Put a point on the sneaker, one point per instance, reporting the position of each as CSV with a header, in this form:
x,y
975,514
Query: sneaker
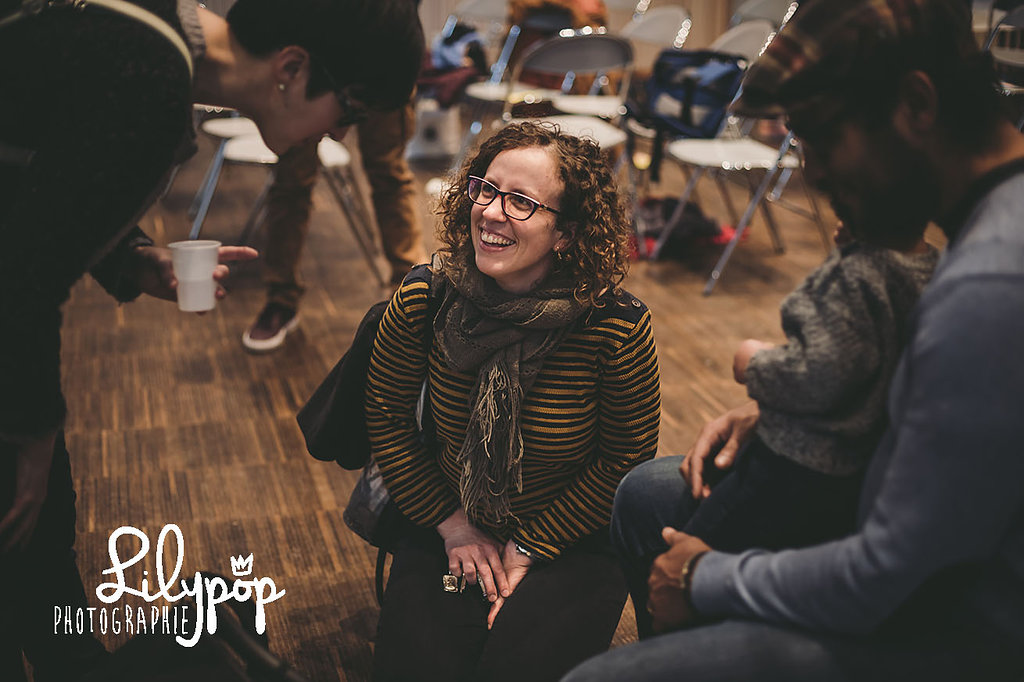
x,y
267,333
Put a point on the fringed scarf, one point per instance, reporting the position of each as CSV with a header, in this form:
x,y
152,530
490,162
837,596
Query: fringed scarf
x,y
503,338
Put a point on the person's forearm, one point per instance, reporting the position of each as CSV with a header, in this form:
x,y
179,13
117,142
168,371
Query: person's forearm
x,y
941,491
398,365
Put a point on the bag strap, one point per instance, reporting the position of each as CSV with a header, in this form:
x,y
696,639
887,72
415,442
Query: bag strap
x,y
33,7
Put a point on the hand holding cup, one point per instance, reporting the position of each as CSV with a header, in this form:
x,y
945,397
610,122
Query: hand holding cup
x,y
159,276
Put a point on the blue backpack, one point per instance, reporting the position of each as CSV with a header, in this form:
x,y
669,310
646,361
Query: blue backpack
x,y
687,95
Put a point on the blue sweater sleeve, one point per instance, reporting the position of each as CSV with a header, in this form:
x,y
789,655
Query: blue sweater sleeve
x,y
944,488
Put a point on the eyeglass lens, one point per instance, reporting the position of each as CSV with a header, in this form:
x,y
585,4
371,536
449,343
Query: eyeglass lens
x,y
514,205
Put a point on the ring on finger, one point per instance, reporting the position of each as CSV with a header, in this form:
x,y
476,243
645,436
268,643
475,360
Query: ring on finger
x,y
450,583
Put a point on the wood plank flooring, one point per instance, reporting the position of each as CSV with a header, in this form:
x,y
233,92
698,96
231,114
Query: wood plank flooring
x,y
171,422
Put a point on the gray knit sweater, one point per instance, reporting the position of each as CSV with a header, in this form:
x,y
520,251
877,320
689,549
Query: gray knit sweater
x,y
822,395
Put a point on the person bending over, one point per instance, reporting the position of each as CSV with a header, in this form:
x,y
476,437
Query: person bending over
x,y
98,112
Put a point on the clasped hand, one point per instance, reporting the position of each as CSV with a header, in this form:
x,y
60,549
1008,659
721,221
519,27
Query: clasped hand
x,y
670,609
483,560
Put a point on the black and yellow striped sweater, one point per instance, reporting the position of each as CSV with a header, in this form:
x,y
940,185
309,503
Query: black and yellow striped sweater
x,y
590,417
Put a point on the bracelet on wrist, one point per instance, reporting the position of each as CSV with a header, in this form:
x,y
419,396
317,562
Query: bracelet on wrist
x,y
525,552
686,575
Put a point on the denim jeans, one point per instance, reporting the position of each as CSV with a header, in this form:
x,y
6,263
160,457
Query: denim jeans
x,y
654,495
764,501
745,651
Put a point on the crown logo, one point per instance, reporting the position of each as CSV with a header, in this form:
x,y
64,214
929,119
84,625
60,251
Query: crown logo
x,y
241,566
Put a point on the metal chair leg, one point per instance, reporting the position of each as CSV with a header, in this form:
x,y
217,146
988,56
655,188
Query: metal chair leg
x,y
206,191
773,228
351,211
257,213
677,214
367,219
209,181
741,227
472,133
730,205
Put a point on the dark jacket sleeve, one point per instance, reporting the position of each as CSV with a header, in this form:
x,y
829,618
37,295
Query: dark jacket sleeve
x,y
116,271
103,130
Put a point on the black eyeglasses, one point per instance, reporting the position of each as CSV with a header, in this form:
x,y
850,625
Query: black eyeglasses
x,y
352,113
513,204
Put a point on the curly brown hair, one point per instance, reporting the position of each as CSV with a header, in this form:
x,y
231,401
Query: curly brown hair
x,y
591,210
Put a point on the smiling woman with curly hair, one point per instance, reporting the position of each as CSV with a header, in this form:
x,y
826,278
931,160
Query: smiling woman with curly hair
x,y
592,216
542,384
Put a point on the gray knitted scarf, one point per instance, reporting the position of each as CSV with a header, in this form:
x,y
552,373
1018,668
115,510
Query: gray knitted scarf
x,y
503,338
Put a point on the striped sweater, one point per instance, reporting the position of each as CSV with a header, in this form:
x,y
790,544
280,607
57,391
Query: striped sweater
x,y
590,417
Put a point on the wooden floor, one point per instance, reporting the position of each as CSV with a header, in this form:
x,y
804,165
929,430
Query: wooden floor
x,y
171,422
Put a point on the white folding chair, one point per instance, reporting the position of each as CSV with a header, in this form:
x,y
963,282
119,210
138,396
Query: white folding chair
x,y
491,92
745,156
778,12
336,164
747,39
735,153
580,54
663,27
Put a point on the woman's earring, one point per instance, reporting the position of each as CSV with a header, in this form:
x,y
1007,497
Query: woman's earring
x,y
280,86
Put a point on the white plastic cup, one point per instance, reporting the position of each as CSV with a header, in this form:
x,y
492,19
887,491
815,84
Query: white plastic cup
x,y
194,263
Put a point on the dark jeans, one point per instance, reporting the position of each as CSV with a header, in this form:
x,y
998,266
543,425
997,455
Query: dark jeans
x,y
560,614
41,577
764,501
746,651
654,495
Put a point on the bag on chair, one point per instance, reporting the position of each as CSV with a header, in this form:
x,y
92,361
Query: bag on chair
x,y
687,95
689,91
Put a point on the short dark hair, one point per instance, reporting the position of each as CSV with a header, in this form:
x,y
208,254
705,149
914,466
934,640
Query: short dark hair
x,y
591,209
372,49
